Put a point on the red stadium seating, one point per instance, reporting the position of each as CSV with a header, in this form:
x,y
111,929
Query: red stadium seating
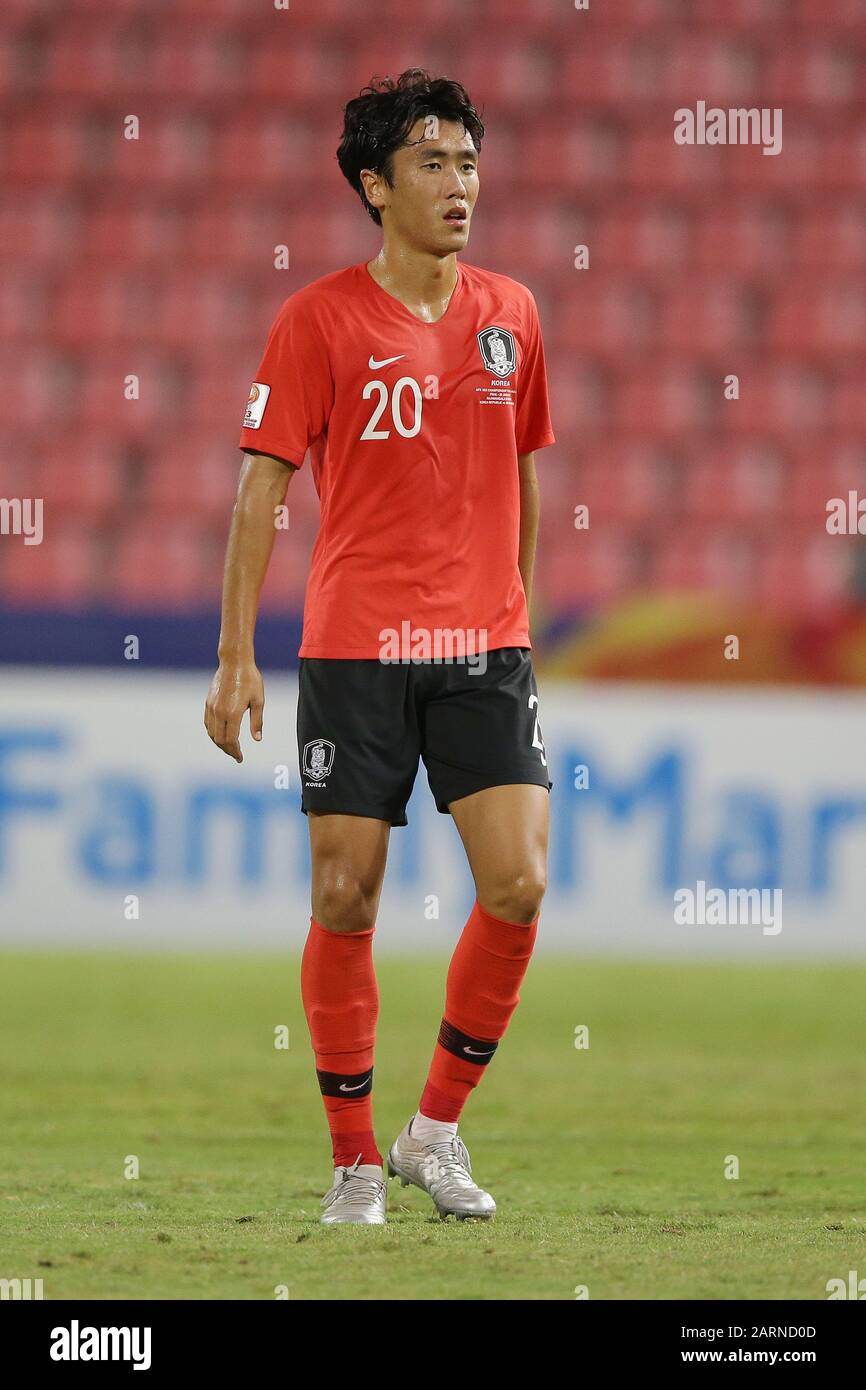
x,y
62,571
160,564
82,475
154,258
806,572
191,477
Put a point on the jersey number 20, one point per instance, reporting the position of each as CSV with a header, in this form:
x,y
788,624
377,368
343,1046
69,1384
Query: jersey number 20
x,y
370,431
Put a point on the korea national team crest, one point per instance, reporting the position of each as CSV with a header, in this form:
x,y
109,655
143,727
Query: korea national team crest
x,y
318,758
497,350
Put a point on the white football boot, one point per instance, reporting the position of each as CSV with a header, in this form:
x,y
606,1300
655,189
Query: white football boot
x,y
440,1167
358,1196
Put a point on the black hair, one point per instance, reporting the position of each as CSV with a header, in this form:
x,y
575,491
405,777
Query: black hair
x,y
378,121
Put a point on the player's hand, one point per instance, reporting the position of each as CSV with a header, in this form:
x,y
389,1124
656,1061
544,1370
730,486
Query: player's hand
x,y
236,688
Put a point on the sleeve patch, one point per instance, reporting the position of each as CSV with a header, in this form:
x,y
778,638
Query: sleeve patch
x,y
256,405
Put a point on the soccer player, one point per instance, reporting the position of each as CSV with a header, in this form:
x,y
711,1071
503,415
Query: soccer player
x,y
417,382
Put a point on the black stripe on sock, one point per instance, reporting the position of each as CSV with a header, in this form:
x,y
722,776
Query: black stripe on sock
x,y
475,1050
333,1083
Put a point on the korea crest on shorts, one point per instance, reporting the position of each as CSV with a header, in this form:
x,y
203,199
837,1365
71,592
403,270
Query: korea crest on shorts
x,y
318,758
497,350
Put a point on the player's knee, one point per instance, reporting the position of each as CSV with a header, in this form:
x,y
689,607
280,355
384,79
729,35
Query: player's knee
x,y
517,897
342,902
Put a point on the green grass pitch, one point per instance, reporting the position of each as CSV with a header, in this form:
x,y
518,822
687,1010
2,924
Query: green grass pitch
x,y
607,1163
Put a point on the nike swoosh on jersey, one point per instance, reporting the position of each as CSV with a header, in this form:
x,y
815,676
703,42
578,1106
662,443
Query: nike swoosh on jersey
x,y
373,364
344,1087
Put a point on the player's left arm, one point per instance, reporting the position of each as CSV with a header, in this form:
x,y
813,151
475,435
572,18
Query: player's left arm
x,y
530,507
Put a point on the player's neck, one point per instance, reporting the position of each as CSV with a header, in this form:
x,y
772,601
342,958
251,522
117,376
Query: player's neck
x,y
422,281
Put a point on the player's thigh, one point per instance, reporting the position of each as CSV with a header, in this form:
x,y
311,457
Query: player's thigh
x,y
358,741
480,728
505,832
348,855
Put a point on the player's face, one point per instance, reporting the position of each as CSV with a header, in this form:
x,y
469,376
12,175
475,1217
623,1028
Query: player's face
x,y
435,186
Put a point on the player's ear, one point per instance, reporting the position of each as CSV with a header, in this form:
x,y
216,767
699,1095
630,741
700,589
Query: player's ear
x,y
371,183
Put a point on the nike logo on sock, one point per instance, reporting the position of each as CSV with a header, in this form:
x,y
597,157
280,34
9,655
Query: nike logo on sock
x,y
344,1087
460,1044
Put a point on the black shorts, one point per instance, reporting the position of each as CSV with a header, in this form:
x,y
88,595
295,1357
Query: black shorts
x,y
362,726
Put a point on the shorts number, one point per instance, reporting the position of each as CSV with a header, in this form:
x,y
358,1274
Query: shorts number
x,y
537,741
370,431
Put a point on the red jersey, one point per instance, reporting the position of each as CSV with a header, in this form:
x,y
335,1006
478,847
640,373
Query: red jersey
x,y
414,430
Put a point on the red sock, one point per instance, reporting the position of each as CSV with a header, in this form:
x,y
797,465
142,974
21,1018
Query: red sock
x,y
481,994
341,1001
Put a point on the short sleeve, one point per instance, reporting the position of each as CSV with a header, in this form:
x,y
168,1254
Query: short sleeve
x,y
293,393
532,426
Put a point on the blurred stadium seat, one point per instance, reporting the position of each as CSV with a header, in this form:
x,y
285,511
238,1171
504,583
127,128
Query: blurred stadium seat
x,y
154,259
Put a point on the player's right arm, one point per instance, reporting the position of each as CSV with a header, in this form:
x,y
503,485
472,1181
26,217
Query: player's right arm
x,y
238,685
